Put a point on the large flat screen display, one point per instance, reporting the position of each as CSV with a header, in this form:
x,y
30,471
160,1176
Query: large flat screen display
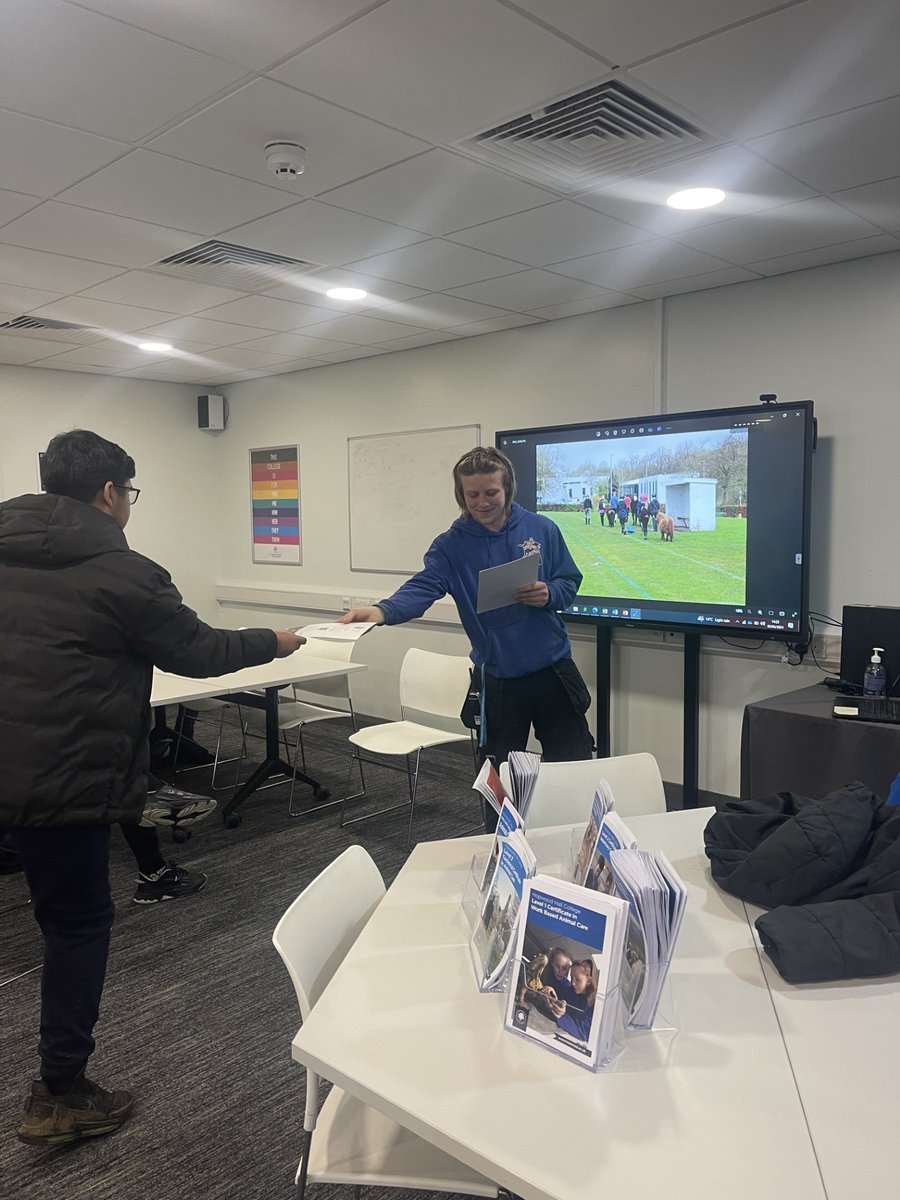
x,y
689,520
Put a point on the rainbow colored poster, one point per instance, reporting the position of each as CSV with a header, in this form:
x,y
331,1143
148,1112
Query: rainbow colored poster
x,y
275,497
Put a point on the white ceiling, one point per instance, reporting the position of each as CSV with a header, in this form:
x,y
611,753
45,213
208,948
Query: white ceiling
x,y
134,129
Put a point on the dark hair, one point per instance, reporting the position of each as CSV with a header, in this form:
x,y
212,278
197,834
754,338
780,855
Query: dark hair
x,y
484,460
79,463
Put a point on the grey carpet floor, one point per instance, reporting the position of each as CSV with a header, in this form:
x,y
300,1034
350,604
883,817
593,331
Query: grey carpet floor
x,y
198,1012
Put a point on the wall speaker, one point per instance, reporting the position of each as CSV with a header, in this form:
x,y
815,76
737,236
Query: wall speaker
x,y
211,412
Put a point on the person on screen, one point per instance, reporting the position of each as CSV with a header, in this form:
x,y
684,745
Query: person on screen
x,y
644,515
522,650
622,513
612,507
654,512
84,620
587,506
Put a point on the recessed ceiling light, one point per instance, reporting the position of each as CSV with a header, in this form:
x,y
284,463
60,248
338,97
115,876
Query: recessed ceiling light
x,y
158,347
696,198
346,293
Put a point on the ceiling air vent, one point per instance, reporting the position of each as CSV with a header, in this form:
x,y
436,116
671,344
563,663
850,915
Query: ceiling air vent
x,y
586,138
54,331
225,265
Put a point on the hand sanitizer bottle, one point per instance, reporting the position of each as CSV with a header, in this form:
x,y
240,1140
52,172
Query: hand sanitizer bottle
x,y
875,678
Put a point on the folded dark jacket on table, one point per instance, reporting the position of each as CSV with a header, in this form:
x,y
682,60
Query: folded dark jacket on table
x,y
828,869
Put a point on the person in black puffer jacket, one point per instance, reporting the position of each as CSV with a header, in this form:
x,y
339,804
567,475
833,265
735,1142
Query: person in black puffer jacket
x,y
84,619
829,871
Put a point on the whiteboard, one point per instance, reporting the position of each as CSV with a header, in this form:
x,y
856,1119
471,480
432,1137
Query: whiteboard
x,y
401,494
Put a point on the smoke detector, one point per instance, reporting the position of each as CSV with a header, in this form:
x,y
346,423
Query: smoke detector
x,y
287,160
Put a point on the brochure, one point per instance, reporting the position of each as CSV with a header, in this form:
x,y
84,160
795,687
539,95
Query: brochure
x,y
492,935
488,782
568,956
523,769
508,820
656,897
603,803
593,870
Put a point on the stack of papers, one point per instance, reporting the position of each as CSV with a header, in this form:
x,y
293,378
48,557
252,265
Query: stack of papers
x,y
523,772
656,897
568,956
335,631
605,832
509,867
489,784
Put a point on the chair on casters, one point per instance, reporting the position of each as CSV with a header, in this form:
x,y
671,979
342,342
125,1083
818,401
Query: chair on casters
x,y
564,791
353,1144
306,703
432,686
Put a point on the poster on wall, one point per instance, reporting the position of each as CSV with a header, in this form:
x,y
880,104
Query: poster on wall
x,y
275,498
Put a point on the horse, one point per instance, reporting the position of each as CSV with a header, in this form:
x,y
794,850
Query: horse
x,y
666,525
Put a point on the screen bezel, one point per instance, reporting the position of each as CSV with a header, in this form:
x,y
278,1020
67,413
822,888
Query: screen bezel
x,y
751,633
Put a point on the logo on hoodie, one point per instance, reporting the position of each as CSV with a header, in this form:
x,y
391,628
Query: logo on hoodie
x,y
530,546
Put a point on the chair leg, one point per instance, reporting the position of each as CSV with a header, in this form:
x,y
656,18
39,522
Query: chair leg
x,y
413,782
304,1164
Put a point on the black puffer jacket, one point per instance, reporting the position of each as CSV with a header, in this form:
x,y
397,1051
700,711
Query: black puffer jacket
x,y
82,621
828,869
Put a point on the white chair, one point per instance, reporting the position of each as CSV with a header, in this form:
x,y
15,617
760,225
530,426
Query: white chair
x,y
209,711
564,791
354,1143
301,705
433,687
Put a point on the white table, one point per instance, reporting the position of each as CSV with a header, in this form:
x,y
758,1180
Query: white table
x,y
708,1113
240,685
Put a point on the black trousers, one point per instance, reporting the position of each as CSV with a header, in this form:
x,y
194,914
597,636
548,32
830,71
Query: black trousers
x,y
67,869
553,700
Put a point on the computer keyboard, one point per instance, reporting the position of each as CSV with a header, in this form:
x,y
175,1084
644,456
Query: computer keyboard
x,y
868,708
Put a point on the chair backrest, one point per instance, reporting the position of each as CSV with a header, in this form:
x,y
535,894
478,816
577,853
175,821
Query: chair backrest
x,y
325,920
433,688
564,792
337,687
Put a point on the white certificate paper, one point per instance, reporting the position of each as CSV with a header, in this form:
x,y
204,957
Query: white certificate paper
x,y
333,631
497,584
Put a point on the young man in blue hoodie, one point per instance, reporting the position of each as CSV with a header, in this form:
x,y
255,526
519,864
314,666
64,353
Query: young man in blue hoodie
x,y
522,650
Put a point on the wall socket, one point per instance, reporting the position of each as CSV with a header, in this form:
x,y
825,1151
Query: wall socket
x,y
345,604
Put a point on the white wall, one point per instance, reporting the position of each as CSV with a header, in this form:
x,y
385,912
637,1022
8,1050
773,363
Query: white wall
x,y
174,521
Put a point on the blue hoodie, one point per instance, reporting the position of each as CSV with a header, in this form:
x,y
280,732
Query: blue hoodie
x,y
508,642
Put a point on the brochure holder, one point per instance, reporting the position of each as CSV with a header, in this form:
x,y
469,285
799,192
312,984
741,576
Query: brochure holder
x,y
486,952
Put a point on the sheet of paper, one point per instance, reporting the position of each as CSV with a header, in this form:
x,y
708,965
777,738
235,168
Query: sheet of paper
x,y
334,631
497,584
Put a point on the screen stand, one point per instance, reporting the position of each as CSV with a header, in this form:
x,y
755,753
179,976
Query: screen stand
x,y
691,703
603,677
691,755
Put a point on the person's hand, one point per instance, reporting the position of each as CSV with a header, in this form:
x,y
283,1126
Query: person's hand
x,y
371,614
558,1008
287,642
535,595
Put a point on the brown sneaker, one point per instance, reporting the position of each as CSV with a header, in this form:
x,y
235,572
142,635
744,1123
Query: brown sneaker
x,y
86,1111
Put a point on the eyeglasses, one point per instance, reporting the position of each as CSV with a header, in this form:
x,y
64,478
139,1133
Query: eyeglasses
x,y
133,492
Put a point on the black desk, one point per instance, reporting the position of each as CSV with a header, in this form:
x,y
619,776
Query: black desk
x,y
792,743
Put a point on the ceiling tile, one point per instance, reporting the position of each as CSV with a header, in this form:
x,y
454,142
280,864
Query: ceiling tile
x,y
414,341
222,28
695,283
53,364
355,352
802,62
750,183
553,312
167,191
435,265
54,272
232,134
496,324
877,202
41,158
15,349
622,35
463,62
23,299
311,288
149,290
100,314
439,312
214,333
841,151
528,290
264,312
292,345
80,232
122,358
881,244
242,356
317,233
629,267
364,331
438,192
127,82
13,204
557,231
785,230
